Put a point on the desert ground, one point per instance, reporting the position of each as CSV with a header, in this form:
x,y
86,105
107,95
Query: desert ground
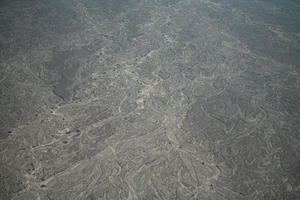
x,y
149,99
